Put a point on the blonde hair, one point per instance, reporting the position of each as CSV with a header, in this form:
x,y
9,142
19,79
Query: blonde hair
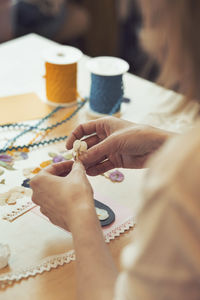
x,y
170,34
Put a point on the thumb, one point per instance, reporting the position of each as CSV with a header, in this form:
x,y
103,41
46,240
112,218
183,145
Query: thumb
x,y
78,167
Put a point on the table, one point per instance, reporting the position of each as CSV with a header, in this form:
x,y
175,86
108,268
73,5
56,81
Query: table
x,y
21,72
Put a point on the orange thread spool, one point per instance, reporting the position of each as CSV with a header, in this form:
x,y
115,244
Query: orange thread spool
x,y
61,75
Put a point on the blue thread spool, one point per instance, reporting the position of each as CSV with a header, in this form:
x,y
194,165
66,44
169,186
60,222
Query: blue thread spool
x,y
107,89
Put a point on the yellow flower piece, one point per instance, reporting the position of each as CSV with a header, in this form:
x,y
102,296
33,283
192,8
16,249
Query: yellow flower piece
x,y
46,163
36,170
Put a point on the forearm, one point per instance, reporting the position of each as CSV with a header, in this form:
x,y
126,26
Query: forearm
x,y
96,271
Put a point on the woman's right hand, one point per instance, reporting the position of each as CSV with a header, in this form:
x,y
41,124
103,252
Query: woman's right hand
x,y
116,143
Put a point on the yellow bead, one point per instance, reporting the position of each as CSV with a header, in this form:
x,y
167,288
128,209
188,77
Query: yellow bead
x,y
36,170
46,163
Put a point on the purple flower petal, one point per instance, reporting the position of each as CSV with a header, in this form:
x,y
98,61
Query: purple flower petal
x,y
6,158
116,176
24,155
58,158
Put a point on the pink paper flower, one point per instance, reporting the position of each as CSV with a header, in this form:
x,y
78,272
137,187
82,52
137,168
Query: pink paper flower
x,y
116,176
6,158
58,158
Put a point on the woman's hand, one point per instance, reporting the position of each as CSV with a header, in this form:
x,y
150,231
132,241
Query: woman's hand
x,y
116,143
65,196
63,193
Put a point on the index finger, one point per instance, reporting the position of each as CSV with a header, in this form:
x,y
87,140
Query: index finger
x,y
47,174
81,131
60,169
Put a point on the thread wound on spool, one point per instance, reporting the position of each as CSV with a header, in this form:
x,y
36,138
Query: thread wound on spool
x,y
106,93
107,89
61,82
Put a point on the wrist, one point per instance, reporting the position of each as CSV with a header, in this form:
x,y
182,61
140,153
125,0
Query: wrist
x,y
80,214
84,222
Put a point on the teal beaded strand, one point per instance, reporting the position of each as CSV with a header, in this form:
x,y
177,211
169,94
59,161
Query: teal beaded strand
x,y
46,142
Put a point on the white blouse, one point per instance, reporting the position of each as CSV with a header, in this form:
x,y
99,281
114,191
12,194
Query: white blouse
x,y
163,262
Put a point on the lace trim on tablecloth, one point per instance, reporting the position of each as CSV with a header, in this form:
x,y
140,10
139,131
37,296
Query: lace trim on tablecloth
x,y
46,264
55,261
10,213
116,231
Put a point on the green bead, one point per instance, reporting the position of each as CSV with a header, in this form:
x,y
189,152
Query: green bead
x,y
68,156
6,166
52,154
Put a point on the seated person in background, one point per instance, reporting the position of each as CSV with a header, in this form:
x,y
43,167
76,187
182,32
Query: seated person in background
x,y
163,261
5,20
141,64
60,20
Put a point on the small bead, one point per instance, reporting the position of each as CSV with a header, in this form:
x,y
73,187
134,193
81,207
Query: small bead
x,y
46,163
36,170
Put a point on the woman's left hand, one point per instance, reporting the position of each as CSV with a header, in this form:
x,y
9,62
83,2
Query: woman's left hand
x,y
65,196
63,193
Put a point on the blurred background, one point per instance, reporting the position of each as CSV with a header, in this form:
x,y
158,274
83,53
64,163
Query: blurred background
x,y
97,27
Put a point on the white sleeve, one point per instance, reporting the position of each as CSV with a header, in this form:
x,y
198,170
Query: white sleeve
x,y
164,261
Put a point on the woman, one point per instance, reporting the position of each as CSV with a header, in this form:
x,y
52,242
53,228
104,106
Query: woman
x,y
164,261
5,20
42,17
61,20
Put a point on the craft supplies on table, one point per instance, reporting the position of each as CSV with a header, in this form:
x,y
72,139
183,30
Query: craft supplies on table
x,y
40,132
39,246
107,88
61,75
